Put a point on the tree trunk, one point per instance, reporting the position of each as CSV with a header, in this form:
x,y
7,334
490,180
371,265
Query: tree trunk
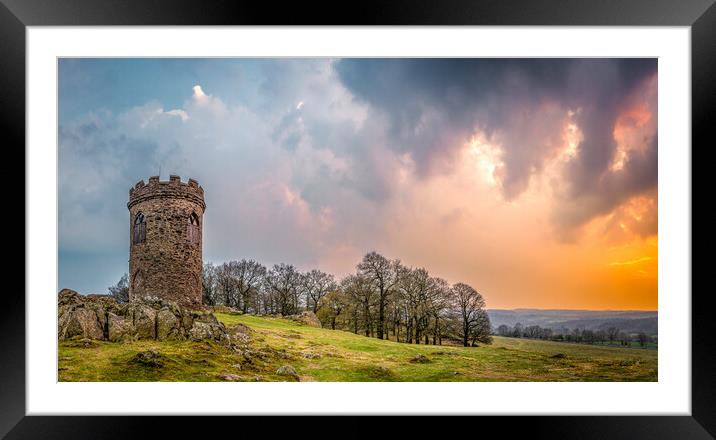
x,y
417,331
381,317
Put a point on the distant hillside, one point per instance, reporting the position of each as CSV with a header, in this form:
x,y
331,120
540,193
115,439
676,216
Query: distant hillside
x,y
628,321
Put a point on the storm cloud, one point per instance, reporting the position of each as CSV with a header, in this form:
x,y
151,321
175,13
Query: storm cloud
x,y
433,105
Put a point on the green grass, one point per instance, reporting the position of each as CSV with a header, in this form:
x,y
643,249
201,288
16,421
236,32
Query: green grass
x,y
326,355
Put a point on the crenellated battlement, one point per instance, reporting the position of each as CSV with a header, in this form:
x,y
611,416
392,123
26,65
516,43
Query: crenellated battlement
x,y
173,188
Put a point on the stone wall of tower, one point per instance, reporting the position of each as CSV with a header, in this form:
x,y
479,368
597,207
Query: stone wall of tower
x,y
167,263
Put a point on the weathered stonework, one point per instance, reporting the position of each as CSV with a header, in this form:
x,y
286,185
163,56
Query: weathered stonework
x,y
165,257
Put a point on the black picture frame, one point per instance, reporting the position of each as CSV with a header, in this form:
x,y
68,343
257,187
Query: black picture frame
x,y
700,15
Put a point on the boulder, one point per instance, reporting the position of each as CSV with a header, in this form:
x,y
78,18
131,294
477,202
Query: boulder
x,y
142,316
229,377
287,370
79,322
240,334
204,330
168,325
311,355
80,316
199,331
306,317
118,328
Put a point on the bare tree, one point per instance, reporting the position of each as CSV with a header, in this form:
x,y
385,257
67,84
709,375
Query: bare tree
x,y
361,292
436,308
283,281
480,332
331,307
469,307
384,274
409,295
316,285
209,284
504,330
517,330
612,334
226,284
120,291
249,275
532,331
643,339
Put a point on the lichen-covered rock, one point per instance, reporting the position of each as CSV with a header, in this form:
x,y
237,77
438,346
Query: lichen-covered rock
x,y
199,331
168,325
102,318
77,318
80,322
240,334
311,355
229,377
142,316
287,370
207,330
68,297
118,328
306,317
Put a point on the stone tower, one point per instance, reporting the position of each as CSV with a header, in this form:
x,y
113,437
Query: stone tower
x,y
165,238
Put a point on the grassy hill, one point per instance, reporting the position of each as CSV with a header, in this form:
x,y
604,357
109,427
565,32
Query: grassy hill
x,y
325,355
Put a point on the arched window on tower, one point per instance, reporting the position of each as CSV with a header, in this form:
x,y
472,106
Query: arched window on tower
x,y
139,231
193,229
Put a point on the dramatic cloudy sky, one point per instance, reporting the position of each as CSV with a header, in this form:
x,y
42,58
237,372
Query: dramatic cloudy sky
x,y
533,180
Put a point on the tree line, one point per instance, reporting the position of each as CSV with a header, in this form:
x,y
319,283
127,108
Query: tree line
x,y
383,299
611,335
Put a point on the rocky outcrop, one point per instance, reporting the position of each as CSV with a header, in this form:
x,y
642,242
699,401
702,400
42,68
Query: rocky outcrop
x,y
102,318
306,317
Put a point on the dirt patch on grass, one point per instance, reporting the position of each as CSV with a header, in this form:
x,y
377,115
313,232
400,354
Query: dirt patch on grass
x,y
558,356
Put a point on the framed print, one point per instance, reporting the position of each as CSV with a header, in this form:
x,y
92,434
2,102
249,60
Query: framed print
x,y
485,212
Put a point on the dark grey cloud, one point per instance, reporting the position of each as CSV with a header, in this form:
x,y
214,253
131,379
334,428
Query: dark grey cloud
x,y
434,105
